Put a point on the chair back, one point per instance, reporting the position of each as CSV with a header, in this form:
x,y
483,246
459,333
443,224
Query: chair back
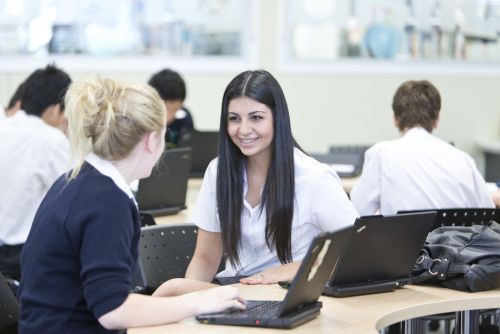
x,y
462,216
9,308
165,252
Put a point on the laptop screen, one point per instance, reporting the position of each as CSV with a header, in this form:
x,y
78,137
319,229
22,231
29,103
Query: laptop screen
x,y
382,248
166,187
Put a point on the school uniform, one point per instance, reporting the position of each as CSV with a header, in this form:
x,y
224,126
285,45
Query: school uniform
x,y
33,155
183,122
418,171
81,254
320,205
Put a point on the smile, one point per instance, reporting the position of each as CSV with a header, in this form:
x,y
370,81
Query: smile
x,y
247,141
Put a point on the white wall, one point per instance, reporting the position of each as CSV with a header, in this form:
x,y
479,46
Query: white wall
x,y
337,108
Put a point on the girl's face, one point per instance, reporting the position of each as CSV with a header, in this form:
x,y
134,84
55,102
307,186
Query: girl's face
x,y
250,126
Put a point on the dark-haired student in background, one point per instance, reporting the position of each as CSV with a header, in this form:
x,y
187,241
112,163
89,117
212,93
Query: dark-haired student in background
x,y
33,152
172,89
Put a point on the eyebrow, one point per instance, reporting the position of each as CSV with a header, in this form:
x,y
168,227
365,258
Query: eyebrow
x,y
250,113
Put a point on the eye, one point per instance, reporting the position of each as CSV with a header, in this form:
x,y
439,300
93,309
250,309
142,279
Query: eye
x,y
233,118
256,118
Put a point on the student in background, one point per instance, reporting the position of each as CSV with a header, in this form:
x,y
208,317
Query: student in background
x,y
262,200
81,255
172,89
33,153
419,170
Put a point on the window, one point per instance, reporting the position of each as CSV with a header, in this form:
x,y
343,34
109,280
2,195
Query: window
x,y
167,29
322,32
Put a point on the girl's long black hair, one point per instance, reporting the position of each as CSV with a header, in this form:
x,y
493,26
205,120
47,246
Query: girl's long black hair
x,y
279,189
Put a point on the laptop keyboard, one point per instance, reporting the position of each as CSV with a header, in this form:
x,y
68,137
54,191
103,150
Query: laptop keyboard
x,y
259,309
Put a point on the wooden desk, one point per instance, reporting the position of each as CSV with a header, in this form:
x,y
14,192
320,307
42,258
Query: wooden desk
x,y
361,314
194,185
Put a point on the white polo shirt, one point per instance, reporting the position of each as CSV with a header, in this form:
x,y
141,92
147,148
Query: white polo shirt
x,y
32,155
418,171
321,205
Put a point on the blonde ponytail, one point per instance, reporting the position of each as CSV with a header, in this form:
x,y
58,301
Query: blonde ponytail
x,y
109,118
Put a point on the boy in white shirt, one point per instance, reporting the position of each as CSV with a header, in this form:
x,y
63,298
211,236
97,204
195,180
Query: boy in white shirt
x,y
33,152
419,170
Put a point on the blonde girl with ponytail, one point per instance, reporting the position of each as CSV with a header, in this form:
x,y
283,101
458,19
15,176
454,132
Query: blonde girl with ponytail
x,y
82,251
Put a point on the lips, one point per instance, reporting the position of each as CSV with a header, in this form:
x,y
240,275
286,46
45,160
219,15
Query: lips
x,y
248,141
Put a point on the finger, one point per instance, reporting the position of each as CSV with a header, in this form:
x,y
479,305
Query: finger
x,y
255,279
236,304
254,282
251,281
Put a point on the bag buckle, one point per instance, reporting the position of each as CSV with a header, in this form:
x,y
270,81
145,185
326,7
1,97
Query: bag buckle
x,y
434,261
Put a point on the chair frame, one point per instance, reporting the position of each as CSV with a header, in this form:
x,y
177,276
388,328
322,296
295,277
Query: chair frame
x,y
9,308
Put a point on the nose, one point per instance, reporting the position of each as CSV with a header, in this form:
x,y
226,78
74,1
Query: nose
x,y
245,128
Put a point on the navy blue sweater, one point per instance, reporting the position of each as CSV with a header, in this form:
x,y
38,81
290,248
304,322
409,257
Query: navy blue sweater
x,y
80,256
178,126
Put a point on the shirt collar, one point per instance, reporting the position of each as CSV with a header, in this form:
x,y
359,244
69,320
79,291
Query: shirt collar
x,y
22,114
416,131
106,168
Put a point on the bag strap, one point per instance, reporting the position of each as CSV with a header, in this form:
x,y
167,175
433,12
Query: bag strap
x,y
440,268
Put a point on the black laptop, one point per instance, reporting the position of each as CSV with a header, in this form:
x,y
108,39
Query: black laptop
x,y
204,145
301,302
147,219
381,254
164,191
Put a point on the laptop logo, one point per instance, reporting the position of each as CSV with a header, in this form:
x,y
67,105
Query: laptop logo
x,y
361,229
319,260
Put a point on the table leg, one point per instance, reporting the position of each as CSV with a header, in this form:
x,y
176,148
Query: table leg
x,y
467,322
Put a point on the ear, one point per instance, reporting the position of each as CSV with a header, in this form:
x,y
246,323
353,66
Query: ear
x,y
148,142
11,111
395,120
436,123
52,115
151,141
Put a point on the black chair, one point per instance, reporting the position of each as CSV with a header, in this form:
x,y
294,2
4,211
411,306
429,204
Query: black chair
x,y
9,309
462,217
164,253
